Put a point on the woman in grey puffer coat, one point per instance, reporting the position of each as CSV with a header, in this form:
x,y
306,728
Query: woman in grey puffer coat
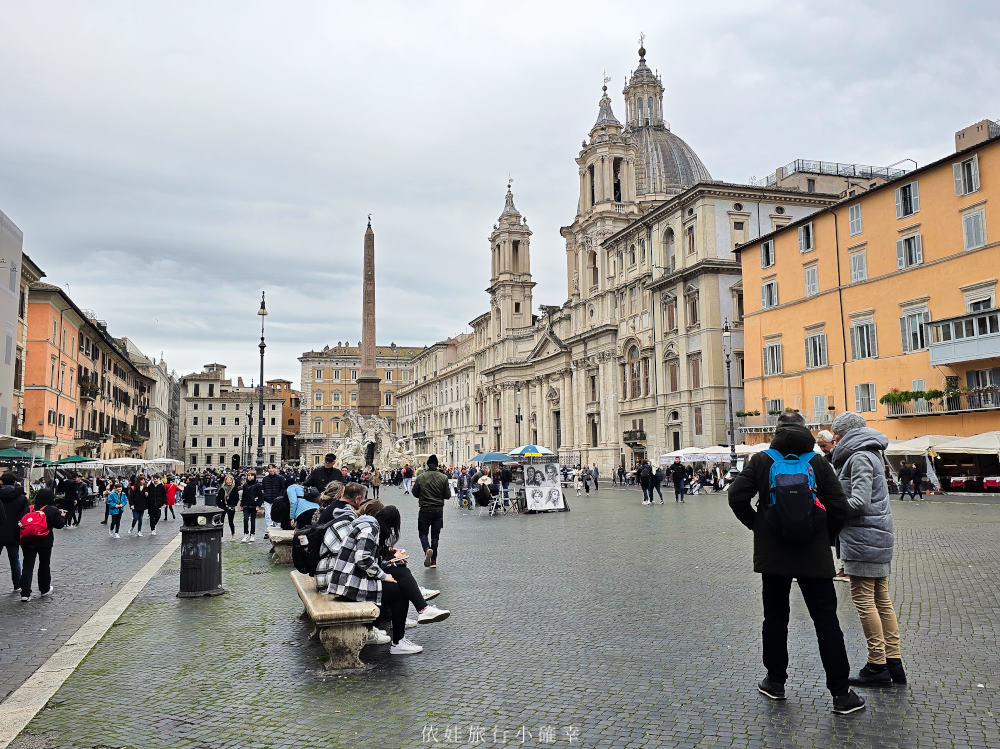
x,y
866,544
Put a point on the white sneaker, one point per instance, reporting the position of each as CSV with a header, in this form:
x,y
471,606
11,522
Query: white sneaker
x,y
429,593
25,598
244,539
111,533
377,636
251,539
131,531
152,533
405,647
432,614
118,535
411,623
47,593
139,534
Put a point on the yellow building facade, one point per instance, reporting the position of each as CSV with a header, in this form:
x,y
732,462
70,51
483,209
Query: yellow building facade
x,y
884,303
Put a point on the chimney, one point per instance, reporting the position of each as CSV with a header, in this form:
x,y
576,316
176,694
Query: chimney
x,y
973,135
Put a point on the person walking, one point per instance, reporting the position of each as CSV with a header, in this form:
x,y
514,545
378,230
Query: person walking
x,y
866,545
227,499
250,500
658,477
39,547
13,506
170,489
376,482
905,475
407,478
917,476
157,500
678,475
138,503
806,559
115,503
595,474
67,500
505,478
431,489
189,495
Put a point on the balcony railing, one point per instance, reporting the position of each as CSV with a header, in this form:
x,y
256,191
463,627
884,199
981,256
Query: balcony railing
x,y
448,431
982,400
89,436
634,435
419,435
965,338
89,390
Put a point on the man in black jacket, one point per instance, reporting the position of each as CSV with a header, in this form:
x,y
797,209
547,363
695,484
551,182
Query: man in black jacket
x,y
272,486
810,562
13,506
40,548
157,499
431,490
678,474
324,474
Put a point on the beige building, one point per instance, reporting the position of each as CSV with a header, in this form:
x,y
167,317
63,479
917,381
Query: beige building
x,y
435,409
158,413
631,364
330,389
219,421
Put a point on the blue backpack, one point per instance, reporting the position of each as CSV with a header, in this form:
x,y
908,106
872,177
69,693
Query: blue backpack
x,y
792,509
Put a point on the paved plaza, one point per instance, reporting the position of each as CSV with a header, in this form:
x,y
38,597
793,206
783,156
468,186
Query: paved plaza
x,y
614,625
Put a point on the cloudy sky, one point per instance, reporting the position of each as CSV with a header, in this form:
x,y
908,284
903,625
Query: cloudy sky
x,y
167,161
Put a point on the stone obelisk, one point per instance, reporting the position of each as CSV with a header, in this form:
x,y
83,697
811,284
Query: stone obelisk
x,y
369,398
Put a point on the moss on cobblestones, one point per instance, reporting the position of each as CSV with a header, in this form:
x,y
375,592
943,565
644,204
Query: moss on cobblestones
x,y
634,626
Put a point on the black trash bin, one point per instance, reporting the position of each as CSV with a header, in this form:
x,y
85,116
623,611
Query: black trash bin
x,y
201,552
211,492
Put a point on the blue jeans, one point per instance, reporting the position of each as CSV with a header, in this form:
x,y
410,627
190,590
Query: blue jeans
x,y
137,519
14,555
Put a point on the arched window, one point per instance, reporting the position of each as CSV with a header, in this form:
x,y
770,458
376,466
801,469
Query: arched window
x,y
668,241
631,254
634,372
649,109
690,240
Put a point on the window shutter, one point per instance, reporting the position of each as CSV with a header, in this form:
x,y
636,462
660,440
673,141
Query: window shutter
x,y
899,202
854,342
802,244
975,173
857,398
873,338
903,334
809,362
957,173
778,351
925,333
967,230
763,296
900,254
918,249
915,194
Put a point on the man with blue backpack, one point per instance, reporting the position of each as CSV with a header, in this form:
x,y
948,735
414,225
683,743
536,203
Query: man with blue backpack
x,y
801,508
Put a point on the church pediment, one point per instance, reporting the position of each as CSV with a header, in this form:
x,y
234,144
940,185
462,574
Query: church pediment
x,y
548,345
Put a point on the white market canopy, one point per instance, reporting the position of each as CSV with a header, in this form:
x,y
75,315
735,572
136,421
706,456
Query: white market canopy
x,y
918,445
987,443
124,462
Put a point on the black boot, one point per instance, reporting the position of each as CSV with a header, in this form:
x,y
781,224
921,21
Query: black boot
x,y
770,688
895,666
872,675
848,703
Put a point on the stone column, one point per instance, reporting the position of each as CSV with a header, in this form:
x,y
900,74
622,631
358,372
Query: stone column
x,y
368,378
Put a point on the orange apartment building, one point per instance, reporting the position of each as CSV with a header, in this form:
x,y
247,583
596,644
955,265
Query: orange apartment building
x,y
82,394
291,402
883,303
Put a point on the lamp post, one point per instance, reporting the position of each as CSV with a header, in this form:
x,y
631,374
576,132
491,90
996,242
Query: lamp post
x,y
727,349
260,400
517,418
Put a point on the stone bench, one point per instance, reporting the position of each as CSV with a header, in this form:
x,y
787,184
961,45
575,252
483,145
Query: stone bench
x,y
281,545
341,626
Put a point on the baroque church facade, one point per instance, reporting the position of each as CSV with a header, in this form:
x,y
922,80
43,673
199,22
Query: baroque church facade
x,y
631,365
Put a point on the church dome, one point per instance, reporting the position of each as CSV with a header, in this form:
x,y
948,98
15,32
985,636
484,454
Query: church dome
x,y
665,163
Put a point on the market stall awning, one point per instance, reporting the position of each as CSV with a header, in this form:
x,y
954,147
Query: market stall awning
x,y
12,453
70,459
987,443
490,458
918,445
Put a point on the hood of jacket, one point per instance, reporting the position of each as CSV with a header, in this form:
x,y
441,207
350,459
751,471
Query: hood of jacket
x,y
9,493
793,439
856,440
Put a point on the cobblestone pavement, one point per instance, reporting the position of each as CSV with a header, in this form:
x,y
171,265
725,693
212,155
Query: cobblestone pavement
x,y
88,568
614,625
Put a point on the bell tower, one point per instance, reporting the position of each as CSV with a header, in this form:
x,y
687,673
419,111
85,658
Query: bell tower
x,y
510,276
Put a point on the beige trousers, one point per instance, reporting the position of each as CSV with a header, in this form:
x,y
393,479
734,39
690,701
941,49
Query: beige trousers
x,y
878,618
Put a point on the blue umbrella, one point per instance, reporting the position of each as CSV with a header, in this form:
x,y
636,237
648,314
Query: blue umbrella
x,y
490,458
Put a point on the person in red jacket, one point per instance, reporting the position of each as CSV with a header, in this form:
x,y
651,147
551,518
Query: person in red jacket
x,y
40,548
170,486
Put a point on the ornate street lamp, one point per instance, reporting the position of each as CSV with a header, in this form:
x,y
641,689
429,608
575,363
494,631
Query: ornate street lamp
x,y
260,401
727,349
